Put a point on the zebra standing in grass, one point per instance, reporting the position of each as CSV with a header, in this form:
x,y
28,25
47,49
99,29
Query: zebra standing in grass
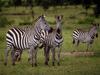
x,y
85,36
53,40
26,38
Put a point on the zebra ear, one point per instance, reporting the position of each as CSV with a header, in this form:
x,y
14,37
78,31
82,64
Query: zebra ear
x,y
93,24
98,24
59,17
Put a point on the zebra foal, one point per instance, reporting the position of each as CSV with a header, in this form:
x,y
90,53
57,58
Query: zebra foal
x,y
53,40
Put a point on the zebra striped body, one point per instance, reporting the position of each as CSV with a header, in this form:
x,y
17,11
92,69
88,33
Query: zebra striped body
x,y
85,36
17,38
53,40
26,38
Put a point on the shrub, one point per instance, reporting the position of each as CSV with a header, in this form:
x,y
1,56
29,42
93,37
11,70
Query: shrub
x,y
87,20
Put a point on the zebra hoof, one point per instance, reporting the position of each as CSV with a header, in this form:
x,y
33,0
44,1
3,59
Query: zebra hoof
x,y
32,65
19,59
35,64
13,64
58,64
48,59
5,64
29,59
53,64
46,63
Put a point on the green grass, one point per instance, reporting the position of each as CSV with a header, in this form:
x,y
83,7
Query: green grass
x,y
70,65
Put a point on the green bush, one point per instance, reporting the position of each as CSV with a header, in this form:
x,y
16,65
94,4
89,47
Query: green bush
x,y
87,20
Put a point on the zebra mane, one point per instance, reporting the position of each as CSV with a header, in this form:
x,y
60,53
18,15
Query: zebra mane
x,y
30,27
42,16
94,25
79,29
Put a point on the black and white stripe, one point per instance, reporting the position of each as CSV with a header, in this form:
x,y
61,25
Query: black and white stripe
x,y
85,36
26,38
53,40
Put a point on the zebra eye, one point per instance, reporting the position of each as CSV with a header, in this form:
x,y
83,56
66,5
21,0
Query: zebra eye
x,y
45,23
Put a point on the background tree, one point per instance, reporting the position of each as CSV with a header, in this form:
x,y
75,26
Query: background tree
x,y
86,5
97,8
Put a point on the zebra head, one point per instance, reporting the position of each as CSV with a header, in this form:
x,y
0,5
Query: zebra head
x,y
43,26
58,22
94,29
42,23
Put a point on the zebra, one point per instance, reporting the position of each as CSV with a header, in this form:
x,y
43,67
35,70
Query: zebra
x,y
26,38
54,39
85,36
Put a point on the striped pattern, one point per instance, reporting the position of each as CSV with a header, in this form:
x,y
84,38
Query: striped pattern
x,y
53,40
26,38
85,36
17,38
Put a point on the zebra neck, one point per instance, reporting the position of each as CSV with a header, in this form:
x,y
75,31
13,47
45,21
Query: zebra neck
x,y
92,31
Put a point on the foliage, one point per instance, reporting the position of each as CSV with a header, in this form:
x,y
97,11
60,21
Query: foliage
x,y
87,20
97,9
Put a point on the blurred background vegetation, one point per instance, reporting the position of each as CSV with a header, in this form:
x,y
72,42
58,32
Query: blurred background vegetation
x,y
26,7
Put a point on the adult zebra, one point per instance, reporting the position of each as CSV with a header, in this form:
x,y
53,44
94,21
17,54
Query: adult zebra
x,y
53,40
85,36
26,38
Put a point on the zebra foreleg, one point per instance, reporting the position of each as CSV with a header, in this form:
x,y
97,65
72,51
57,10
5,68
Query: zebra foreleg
x,y
59,50
96,35
73,41
30,59
88,44
35,60
13,57
6,55
53,56
78,42
46,50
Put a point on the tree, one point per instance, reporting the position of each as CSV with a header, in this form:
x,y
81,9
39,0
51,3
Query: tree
x,y
86,4
97,9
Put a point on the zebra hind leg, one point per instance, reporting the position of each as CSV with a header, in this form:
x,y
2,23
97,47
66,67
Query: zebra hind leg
x,y
13,57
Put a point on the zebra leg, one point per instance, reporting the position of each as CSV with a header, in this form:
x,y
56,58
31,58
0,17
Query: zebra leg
x,y
46,50
19,57
13,57
6,55
73,41
88,44
59,50
33,56
45,54
30,59
53,56
96,35
78,42
35,60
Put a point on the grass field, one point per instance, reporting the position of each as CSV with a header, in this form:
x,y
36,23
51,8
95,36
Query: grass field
x,y
73,17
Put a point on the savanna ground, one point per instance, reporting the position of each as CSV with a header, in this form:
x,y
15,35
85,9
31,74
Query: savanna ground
x,y
73,17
